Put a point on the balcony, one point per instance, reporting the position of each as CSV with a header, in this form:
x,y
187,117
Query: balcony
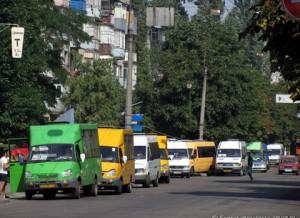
x,y
105,49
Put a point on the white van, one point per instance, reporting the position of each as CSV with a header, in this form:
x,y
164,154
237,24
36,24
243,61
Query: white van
x,y
275,151
179,158
147,160
231,157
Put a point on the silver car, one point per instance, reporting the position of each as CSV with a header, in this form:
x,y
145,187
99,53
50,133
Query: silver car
x,y
259,165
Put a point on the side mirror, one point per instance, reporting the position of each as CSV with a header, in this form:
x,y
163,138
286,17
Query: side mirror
x,y
124,159
82,157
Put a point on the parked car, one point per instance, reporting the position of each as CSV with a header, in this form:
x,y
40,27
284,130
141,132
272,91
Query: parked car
x,y
289,164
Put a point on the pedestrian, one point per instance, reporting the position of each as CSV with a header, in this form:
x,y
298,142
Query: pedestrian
x,y
249,166
3,174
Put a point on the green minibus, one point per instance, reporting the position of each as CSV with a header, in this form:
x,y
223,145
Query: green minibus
x,y
63,157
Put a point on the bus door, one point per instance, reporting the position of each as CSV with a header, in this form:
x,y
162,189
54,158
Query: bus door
x,y
18,155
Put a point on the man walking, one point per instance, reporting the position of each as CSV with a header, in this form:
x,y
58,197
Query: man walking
x,y
250,165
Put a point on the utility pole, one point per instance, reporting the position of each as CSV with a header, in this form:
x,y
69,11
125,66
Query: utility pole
x,y
128,107
203,100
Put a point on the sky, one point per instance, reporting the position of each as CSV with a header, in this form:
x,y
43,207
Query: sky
x,y
192,8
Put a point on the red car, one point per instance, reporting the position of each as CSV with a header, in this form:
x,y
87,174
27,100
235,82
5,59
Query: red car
x,y
289,164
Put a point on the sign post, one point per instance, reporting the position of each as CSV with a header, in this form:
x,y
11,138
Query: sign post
x,y
17,38
292,8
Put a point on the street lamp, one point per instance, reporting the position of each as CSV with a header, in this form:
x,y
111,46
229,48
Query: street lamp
x,y
203,99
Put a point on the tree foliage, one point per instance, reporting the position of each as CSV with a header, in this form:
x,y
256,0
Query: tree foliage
x,y
24,85
95,94
281,35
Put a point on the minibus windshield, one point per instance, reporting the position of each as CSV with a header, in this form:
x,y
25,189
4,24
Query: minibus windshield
x,y
51,152
139,152
178,153
274,152
110,154
229,153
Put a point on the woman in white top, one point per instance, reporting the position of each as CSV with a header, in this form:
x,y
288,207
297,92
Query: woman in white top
x,y
3,173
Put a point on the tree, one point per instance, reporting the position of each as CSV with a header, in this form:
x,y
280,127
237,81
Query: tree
x,y
24,85
95,94
281,35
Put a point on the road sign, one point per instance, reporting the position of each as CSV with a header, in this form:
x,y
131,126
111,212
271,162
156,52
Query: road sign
x,y
292,8
137,122
285,99
17,36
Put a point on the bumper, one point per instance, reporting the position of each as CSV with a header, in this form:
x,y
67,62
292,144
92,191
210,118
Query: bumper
x,y
109,183
228,169
175,172
289,170
46,185
259,169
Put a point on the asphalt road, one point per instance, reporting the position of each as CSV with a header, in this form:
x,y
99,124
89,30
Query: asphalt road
x,y
269,195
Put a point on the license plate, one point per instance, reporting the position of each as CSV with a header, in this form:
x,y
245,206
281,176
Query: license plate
x,y
227,171
48,186
288,170
177,172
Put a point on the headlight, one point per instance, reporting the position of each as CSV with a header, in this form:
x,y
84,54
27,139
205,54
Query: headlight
x,y
186,168
112,173
28,174
237,164
67,173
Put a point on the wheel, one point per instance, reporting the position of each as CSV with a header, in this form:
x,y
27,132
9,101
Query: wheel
x,y
280,172
297,173
155,182
77,191
49,194
188,175
147,182
28,195
94,189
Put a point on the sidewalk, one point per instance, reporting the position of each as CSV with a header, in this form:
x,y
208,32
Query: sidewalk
x,y
14,195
